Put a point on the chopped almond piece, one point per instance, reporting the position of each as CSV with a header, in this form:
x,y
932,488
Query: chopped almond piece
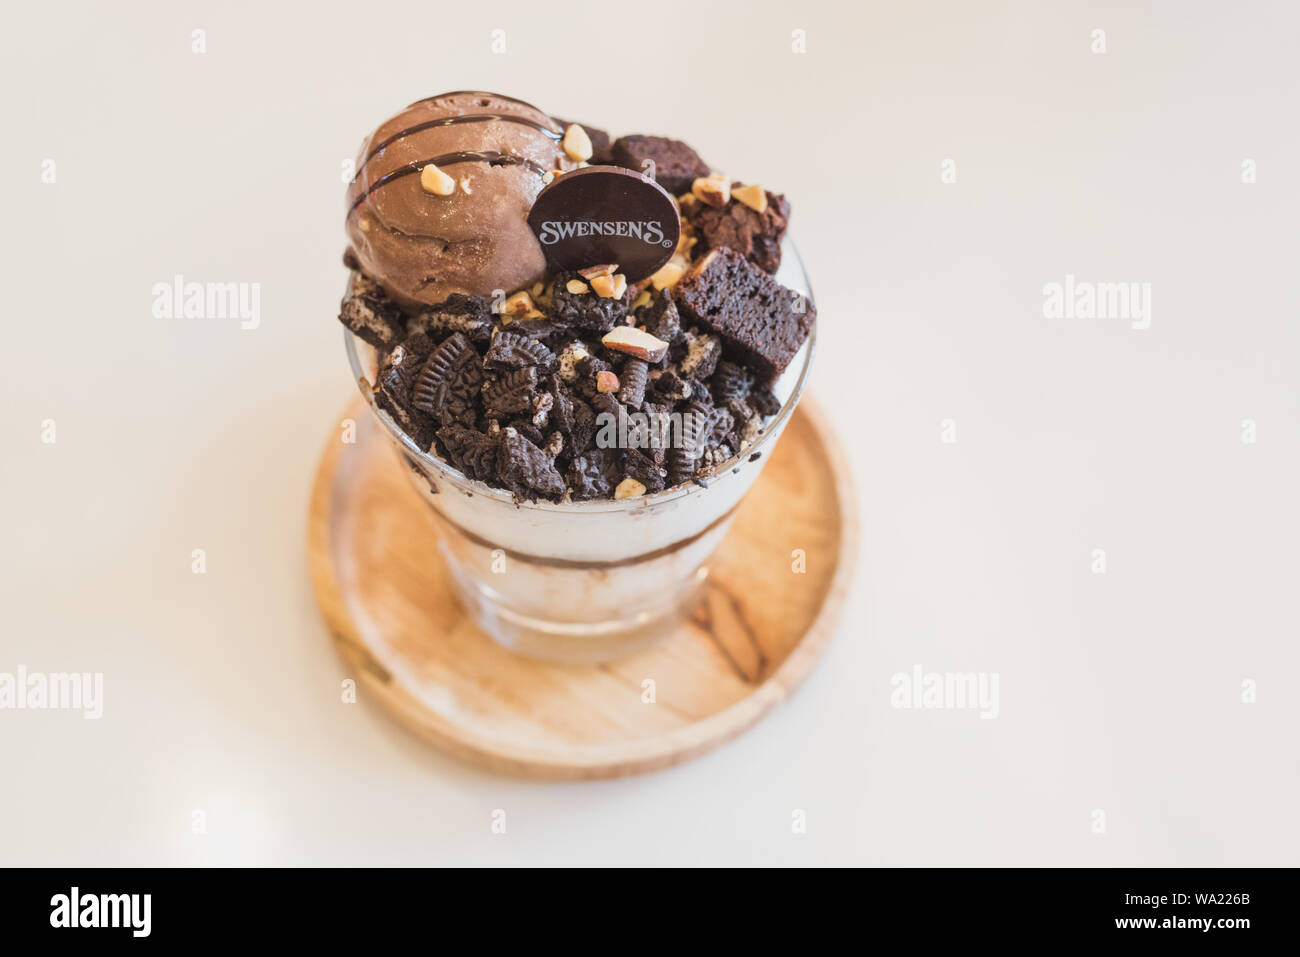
x,y
629,488
635,342
577,144
755,197
435,181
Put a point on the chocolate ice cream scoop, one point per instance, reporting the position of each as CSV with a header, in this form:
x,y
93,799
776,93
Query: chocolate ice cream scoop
x,y
425,237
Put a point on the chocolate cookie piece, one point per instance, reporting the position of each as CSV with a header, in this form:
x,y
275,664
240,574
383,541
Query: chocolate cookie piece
x,y
511,393
586,370
418,426
398,371
374,317
660,317
638,465
510,350
529,431
682,457
702,354
594,474
585,311
676,164
399,368
524,468
471,315
600,141
760,321
672,387
438,372
561,413
765,402
632,382
584,427
461,402
471,451
730,381
755,235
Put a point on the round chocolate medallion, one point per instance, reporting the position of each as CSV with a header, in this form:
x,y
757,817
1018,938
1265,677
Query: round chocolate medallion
x,y
606,214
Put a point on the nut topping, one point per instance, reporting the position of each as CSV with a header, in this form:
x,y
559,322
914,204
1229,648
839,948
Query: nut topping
x,y
755,197
713,190
668,275
635,342
519,306
629,488
577,144
436,181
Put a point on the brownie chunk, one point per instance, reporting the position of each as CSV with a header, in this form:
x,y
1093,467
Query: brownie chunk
x,y
756,236
600,141
676,164
762,323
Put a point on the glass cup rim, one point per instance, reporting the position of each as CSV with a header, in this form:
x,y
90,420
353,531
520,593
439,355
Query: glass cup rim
x,y
433,464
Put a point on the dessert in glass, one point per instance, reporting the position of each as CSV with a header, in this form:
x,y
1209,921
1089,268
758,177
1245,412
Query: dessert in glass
x,y
582,431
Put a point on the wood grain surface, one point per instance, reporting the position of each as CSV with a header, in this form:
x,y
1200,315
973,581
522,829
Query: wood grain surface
x,y
756,635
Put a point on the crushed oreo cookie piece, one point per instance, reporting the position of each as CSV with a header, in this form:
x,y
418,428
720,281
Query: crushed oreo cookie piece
x,y
585,311
372,316
702,354
442,366
528,430
584,427
765,402
524,468
471,315
730,381
659,317
594,474
638,465
682,456
672,387
632,382
510,350
471,451
510,393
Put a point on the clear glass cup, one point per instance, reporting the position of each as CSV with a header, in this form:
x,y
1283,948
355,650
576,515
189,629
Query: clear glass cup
x,y
584,582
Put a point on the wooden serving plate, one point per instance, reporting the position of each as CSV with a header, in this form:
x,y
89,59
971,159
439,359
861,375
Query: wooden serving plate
x,y
756,635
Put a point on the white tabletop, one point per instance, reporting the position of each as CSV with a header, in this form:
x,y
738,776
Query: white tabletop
x,y
1119,692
